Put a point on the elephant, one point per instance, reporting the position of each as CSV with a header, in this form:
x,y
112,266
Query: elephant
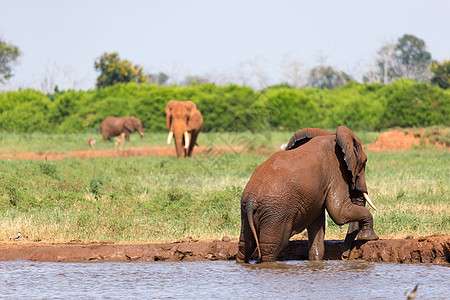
x,y
184,122
290,191
115,126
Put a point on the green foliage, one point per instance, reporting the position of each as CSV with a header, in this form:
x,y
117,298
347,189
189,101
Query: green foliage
x,y
114,70
95,185
410,104
25,111
232,108
49,169
441,75
8,55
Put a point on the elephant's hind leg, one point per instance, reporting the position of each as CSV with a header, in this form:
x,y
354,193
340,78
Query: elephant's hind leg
x,y
273,239
316,235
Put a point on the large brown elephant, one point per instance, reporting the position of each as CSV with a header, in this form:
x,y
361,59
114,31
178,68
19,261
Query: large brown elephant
x,y
115,126
184,122
290,191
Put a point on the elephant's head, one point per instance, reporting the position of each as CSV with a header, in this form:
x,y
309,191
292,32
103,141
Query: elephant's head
x,y
132,124
354,156
178,117
355,163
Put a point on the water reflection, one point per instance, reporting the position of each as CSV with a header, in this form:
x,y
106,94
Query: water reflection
x,y
222,280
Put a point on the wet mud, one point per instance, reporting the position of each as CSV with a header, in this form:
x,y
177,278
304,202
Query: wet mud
x,y
434,249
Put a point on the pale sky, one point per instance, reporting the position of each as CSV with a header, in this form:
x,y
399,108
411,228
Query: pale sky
x,y
205,37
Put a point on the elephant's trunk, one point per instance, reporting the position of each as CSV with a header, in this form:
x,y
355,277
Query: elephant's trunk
x,y
186,140
141,133
169,138
368,201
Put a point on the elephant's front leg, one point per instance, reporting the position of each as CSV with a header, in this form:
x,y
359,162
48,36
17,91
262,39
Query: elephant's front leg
x,y
346,212
316,235
352,232
353,229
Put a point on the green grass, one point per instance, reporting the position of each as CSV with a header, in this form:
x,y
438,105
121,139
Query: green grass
x,y
150,199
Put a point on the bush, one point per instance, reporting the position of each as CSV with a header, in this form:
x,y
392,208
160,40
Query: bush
x,y
410,104
404,103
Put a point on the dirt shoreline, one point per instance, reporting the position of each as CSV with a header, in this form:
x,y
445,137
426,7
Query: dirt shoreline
x,y
433,249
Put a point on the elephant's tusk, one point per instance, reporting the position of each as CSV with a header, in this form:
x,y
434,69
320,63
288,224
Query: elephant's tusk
x,y
186,140
368,201
169,138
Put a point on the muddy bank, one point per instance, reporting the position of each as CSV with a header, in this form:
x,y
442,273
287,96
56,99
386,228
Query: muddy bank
x,y
422,250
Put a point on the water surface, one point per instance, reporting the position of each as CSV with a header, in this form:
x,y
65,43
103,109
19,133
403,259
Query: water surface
x,y
222,280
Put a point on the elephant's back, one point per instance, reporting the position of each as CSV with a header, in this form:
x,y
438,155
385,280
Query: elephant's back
x,y
270,178
298,169
108,120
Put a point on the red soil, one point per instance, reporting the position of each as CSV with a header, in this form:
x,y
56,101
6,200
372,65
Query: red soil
x,y
390,140
395,140
399,140
128,152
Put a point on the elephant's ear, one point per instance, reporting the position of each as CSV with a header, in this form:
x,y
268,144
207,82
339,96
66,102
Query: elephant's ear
x,y
128,125
305,135
195,120
191,111
168,112
351,147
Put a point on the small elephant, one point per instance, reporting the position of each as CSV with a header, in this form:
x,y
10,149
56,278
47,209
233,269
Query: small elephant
x,y
184,122
114,126
290,191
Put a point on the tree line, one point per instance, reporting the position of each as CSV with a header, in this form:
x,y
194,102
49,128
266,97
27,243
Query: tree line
x,y
407,58
359,106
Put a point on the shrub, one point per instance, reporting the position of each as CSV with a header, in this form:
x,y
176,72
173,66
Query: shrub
x,y
404,103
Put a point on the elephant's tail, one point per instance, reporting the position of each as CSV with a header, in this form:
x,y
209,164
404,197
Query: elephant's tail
x,y
252,227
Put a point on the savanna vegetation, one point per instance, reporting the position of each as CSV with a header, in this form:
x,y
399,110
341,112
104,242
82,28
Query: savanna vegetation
x,y
157,199
404,103
150,199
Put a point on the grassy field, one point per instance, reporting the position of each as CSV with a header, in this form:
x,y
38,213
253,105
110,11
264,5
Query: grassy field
x,y
152,199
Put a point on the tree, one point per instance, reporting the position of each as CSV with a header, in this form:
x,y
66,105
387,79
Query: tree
x,y
159,79
441,75
408,59
194,80
8,55
115,70
327,78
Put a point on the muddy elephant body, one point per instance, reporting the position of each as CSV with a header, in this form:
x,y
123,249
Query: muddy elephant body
x,y
184,122
290,191
115,126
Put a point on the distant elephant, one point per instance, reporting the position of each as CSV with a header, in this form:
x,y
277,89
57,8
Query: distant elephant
x,y
115,126
290,191
184,122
